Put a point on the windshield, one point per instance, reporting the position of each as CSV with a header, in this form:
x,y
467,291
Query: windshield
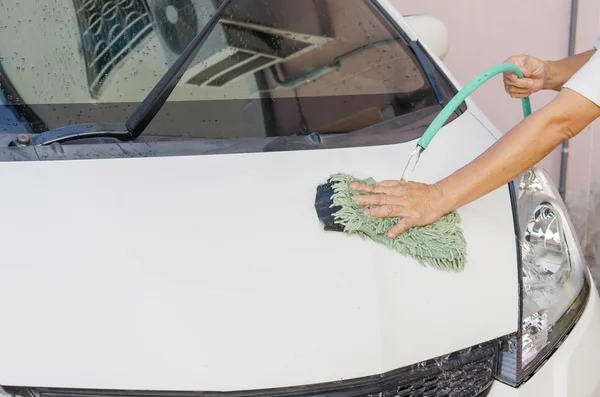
x,y
270,68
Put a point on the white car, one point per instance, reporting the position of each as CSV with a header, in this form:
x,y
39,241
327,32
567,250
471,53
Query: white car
x,y
191,262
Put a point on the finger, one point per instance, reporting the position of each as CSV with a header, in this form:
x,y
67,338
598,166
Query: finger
x,y
519,91
516,90
390,183
377,199
520,60
519,95
517,60
402,226
526,72
386,211
509,77
519,83
363,187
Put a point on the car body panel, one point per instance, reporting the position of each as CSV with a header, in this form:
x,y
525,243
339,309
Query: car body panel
x,y
394,13
213,272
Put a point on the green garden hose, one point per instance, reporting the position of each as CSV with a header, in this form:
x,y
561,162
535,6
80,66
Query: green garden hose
x,y
477,82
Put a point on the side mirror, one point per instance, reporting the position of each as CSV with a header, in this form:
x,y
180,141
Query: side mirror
x,y
431,31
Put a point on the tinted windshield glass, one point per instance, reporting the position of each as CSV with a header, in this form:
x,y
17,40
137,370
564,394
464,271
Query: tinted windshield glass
x,y
270,68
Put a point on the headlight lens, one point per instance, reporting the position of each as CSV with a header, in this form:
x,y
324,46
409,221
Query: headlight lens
x,y
554,277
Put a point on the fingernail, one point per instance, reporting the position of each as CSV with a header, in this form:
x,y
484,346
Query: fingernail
x,y
512,77
389,234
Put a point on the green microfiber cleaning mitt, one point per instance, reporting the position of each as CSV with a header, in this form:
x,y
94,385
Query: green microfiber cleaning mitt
x,y
441,245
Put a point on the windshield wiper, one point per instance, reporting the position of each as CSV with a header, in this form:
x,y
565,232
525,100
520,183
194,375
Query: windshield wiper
x,y
148,109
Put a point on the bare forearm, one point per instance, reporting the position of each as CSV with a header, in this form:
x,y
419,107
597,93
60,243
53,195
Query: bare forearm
x,y
520,149
559,72
517,151
420,204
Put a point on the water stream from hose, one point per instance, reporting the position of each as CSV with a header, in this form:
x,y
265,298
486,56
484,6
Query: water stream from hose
x,y
412,163
451,107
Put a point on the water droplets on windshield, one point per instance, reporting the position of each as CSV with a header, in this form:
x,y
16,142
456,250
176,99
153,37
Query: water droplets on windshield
x,y
270,68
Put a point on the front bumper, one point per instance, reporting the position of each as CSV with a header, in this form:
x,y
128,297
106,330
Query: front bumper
x,y
572,371
574,368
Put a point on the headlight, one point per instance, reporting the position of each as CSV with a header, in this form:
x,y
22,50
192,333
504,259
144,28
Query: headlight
x,y
554,278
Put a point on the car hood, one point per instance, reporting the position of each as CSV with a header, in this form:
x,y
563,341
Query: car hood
x,y
214,273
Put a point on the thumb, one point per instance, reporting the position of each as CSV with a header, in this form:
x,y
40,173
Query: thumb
x,y
520,61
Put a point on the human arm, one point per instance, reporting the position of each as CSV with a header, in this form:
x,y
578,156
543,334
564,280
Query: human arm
x,y
520,149
419,204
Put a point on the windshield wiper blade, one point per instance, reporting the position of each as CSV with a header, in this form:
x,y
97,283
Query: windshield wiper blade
x,y
150,106
143,115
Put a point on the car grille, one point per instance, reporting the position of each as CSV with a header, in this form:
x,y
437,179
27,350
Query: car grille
x,y
109,29
463,374
466,373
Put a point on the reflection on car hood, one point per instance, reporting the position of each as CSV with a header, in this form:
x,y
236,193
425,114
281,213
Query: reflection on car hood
x,y
213,272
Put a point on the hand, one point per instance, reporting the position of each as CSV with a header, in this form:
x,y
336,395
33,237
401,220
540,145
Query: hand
x,y
534,70
417,204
